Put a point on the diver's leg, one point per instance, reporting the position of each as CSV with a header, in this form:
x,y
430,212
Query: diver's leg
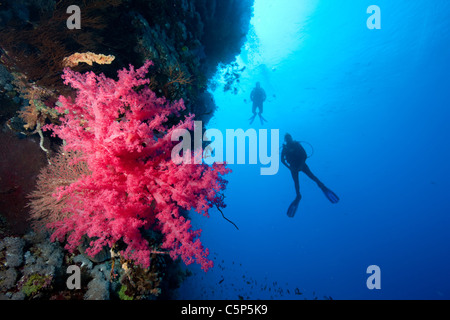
x,y
294,174
252,118
328,193
308,172
260,114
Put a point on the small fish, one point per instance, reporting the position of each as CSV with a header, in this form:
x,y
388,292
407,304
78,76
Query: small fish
x,y
221,280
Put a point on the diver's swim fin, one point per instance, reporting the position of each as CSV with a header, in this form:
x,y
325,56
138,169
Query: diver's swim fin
x,y
330,195
262,119
252,118
293,207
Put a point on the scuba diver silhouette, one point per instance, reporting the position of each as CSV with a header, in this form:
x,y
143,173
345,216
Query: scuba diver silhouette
x,y
258,96
293,156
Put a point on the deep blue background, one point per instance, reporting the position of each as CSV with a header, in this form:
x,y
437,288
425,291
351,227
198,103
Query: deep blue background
x,y
374,106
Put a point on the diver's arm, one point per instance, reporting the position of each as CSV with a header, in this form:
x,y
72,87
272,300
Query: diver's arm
x,y
283,160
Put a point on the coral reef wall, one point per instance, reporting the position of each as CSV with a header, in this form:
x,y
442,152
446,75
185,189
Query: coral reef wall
x,y
186,39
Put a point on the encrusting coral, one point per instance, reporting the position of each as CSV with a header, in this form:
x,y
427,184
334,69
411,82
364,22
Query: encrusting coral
x,y
87,57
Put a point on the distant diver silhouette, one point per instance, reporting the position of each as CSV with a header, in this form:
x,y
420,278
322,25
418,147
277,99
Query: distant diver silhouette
x,y
293,156
258,96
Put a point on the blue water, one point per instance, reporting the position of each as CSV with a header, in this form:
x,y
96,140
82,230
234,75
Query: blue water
x,y
374,106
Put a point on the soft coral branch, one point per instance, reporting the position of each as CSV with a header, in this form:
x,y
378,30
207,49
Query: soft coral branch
x,y
120,130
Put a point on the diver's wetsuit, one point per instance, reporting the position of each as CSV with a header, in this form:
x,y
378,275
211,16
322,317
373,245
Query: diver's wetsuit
x,y
258,96
294,154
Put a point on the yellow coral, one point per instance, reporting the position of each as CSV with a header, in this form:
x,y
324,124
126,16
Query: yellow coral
x,y
87,57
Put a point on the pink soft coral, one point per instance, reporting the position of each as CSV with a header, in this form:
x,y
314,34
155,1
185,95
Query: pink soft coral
x,y
120,129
